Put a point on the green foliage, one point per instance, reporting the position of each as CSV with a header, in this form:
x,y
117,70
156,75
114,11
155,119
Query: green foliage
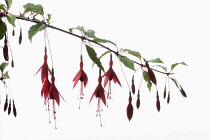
x,y
93,56
6,74
127,62
90,34
34,29
11,19
3,66
179,87
157,60
134,53
147,79
8,3
34,9
174,65
164,68
103,41
102,56
3,29
2,7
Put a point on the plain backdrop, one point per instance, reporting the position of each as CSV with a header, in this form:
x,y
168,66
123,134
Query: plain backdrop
x,y
175,31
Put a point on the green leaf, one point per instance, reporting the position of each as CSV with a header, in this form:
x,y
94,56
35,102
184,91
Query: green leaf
x,y
147,79
93,56
90,33
3,7
134,53
175,82
6,74
34,29
48,18
127,62
102,56
174,65
3,29
183,92
80,28
103,41
157,60
3,66
11,19
29,7
179,87
165,68
9,3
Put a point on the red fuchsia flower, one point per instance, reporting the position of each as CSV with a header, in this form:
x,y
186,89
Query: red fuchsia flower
x,y
81,76
99,93
109,76
44,69
54,95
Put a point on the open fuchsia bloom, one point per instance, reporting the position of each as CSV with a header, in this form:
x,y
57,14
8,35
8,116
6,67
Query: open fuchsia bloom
x,y
82,77
99,93
109,76
49,90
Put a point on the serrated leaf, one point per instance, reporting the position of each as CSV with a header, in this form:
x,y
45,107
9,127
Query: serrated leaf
x,y
101,56
29,7
157,60
11,19
127,62
147,79
103,41
165,68
6,74
174,65
134,53
93,56
34,29
3,29
3,66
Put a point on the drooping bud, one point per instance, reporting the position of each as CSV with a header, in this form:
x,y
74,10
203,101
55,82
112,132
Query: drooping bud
x,y
6,103
20,36
14,109
13,32
157,102
138,100
129,109
168,98
133,85
164,93
5,50
9,108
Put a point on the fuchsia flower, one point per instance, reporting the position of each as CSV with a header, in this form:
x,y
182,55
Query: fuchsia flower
x,y
44,69
99,93
49,90
82,76
109,76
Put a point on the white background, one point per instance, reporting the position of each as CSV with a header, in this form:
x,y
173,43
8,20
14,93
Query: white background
x,y
175,31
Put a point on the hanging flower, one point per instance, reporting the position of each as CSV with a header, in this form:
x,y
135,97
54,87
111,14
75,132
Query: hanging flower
x,y
44,69
53,95
82,77
109,76
99,93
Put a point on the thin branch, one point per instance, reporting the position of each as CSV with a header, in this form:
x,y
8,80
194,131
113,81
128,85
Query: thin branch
x,y
84,38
